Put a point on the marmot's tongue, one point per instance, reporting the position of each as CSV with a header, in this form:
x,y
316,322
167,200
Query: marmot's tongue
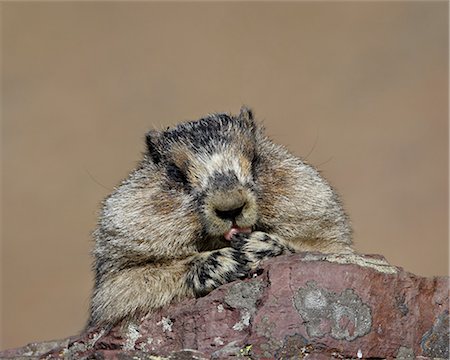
x,y
235,230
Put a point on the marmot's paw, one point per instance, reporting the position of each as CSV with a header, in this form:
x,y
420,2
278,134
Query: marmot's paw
x,y
218,267
258,246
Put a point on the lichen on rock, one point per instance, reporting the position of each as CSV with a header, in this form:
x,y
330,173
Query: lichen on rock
x,y
342,316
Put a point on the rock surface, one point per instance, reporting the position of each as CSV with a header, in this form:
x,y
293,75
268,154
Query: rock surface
x,y
307,305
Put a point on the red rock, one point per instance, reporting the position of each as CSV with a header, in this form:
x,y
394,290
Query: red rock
x,y
323,306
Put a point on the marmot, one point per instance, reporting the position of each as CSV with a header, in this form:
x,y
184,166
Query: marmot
x,y
209,200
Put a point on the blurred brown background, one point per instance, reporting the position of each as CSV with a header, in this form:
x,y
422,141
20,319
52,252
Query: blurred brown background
x,y
360,89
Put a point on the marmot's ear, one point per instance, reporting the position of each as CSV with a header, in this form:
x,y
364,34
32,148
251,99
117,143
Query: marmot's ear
x,y
151,139
246,114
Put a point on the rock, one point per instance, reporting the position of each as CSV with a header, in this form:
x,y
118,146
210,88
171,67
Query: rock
x,y
305,305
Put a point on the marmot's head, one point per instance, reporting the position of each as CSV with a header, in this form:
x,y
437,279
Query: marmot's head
x,y
213,160
203,181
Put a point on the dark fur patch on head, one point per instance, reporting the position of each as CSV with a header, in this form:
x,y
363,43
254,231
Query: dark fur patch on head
x,y
205,134
177,175
199,134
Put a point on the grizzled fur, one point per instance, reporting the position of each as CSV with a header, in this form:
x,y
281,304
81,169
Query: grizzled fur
x,y
160,236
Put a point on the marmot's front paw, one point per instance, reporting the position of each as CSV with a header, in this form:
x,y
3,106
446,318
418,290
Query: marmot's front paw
x,y
218,267
258,246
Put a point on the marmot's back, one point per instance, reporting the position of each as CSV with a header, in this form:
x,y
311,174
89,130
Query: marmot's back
x,y
209,201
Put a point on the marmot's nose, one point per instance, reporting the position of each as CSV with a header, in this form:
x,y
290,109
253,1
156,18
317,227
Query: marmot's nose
x,y
230,214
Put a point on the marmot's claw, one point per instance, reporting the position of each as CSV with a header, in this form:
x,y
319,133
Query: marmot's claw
x,y
219,267
238,240
258,246
242,266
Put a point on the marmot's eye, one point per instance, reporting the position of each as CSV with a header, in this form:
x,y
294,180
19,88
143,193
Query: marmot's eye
x,y
176,174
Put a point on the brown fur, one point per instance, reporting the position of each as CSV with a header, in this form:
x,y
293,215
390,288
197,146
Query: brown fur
x,y
160,236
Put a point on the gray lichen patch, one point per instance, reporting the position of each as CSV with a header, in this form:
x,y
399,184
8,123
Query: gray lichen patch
x,y
244,321
166,324
379,265
230,349
342,316
405,353
435,342
244,295
71,350
131,336
37,349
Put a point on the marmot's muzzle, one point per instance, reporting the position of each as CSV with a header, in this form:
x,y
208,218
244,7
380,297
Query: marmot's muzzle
x,y
228,208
